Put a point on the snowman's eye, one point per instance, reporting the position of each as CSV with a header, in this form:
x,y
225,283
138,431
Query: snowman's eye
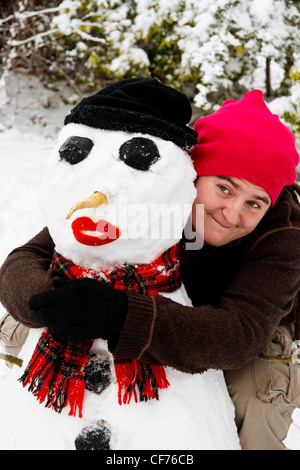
x,y
139,153
75,149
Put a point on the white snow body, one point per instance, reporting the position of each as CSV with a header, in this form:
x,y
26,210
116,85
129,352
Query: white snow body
x,y
195,412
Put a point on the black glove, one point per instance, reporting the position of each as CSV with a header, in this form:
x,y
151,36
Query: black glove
x,y
81,309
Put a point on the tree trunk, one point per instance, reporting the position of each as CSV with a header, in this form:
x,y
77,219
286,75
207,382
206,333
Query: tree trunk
x,y
268,77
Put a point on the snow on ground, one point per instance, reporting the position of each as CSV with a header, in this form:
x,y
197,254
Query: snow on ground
x,y
27,134
22,158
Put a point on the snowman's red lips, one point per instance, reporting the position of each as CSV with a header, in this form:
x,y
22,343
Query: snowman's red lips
x,y
91,233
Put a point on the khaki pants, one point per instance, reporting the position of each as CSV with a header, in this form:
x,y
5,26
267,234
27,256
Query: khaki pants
x,y
13,335
265,394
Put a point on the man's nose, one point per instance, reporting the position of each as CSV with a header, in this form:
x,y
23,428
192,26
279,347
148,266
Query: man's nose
x,y
232,212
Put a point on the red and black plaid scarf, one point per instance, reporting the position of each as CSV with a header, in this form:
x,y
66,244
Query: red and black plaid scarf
x,y
55,372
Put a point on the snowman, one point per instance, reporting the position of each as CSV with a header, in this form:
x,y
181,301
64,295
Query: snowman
x,y
117,195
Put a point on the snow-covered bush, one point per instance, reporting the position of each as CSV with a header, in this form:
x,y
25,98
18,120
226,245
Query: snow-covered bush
x,y
219,48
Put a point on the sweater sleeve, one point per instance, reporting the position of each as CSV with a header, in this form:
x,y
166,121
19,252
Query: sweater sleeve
x,y
228,335
26,272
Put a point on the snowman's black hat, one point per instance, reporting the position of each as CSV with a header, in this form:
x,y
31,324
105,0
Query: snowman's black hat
x,y
139,105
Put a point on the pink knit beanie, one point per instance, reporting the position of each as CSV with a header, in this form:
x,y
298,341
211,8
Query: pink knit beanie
x,y
245,140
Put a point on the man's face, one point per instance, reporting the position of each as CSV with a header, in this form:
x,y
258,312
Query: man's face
x,y
233,207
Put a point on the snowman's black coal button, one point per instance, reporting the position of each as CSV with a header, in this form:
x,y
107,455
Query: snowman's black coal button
x,y
139,153
75,149
96,436
97,374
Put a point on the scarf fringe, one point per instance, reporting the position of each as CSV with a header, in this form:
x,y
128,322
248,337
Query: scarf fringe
x,y
67,391
50,381
39,372
139,380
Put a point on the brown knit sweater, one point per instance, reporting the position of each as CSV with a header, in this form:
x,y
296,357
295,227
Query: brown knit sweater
x,y
240,293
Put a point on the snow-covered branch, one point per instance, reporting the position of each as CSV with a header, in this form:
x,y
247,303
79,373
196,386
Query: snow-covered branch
x,y
87,36
14,43
30,14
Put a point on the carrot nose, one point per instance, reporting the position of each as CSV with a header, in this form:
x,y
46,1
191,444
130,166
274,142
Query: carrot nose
x,y
95,200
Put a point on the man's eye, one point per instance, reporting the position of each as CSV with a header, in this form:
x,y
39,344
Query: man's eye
x,y
75,149
254,204
224,189
139,153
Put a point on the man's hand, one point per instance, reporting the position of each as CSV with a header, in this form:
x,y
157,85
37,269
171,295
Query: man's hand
x,y
79,309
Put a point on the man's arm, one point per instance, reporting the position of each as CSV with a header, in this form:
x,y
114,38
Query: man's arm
x,y
226,336
26,272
